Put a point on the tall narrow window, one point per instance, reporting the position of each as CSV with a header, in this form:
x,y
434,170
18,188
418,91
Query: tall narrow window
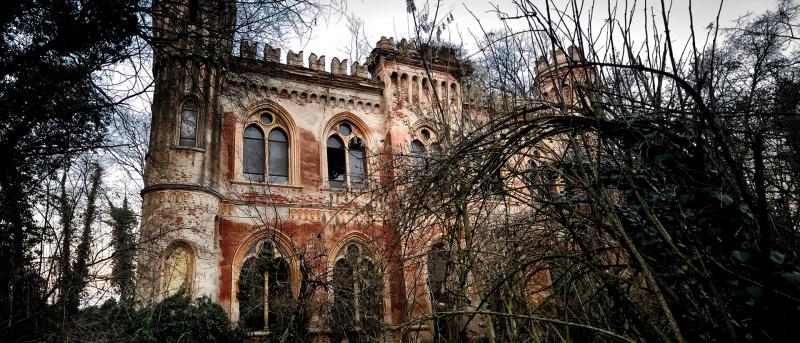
x,y
253,151
278,156
267,159
188,136
265,301
417,151
336,162
446,328
357,290
347,163
423,147
357,163
177,270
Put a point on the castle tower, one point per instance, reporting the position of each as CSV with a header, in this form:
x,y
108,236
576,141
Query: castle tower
x,y
181,197
562,79
422,87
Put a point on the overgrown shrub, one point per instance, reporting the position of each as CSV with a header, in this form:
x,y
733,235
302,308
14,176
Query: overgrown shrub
x,y
175,319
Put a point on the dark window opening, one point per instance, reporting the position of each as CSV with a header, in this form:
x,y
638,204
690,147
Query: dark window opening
x,y
264,291
278,156
336,162
496,187
417,151
357,305
253,151
194,11
188,136
446,327
357,163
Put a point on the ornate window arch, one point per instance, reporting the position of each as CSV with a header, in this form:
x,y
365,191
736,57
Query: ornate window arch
x,y
178,269
268,152
265,282
357,309
424,144
189,123
345,149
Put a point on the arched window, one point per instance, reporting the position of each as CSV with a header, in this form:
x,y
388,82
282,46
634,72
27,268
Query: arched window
x,y
417,152
266,159
188,134
264,295
347,164
423,147
444,299
358,161
358,293
278,156
178,269
253,151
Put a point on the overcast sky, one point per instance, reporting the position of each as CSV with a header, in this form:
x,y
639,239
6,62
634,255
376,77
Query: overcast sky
x,y
389,18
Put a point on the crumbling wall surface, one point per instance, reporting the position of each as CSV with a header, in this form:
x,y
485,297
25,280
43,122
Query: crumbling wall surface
x,y
311,237
169,217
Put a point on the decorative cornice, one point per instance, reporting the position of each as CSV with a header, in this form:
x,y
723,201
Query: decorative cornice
x,y
179,186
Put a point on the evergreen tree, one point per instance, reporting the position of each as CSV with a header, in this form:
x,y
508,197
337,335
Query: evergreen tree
x,y
123,221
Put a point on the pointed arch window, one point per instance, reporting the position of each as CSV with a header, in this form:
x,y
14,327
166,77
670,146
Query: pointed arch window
x,y
188,130
266,159
264,291
444,299
178,270
253,151
278,156
347,163
423,147
418,152
358,293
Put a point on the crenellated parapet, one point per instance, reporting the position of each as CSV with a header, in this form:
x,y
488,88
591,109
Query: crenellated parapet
x,y
249,51
316,63
439,58
560,75
559,59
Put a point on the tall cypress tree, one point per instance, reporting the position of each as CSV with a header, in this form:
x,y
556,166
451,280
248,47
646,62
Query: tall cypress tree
x,y
123,222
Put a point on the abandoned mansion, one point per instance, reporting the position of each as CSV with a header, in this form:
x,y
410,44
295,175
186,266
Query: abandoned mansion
x,y
258,174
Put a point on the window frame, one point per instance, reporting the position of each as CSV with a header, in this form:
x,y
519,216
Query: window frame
x,y
190,267
254,251
427,145
358,278
278,122
198,126
356,135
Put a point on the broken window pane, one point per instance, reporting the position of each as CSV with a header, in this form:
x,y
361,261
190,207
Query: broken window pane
x,y
357,163
264,281
336,162
358,297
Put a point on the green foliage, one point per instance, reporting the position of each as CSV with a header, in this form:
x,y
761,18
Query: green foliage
x,y
699,236
175,319
50,104
123,222
179,318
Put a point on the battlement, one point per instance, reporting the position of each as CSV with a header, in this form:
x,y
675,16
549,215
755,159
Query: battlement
x,y
559,59
441,58
249,50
